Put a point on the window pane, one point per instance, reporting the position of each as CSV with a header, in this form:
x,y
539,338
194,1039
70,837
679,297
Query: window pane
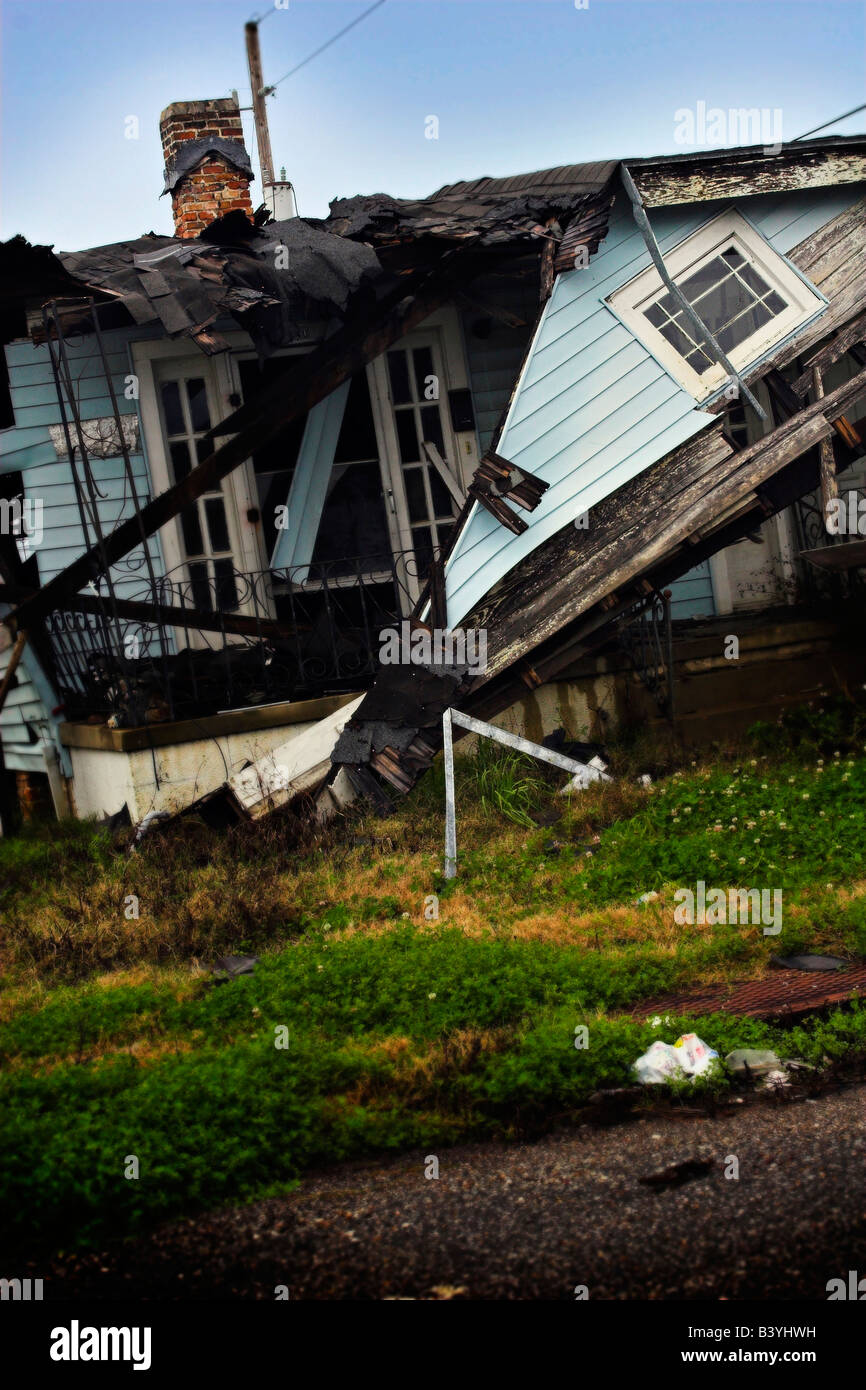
x,y
422,360
200,590
398,370
179,459
723,304
199,413
743,327
677,339
444,533
189,524
704,279
422,541
216,523
656,314
698,360
226,589
755,281
407,436
415,495
431,426
775,303
733,258
443,503
171,408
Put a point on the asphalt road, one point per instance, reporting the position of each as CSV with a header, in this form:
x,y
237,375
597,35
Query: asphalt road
x,y
535,1221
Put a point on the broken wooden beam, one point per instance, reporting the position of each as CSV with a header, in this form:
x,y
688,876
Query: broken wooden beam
x,y
159,614
827,465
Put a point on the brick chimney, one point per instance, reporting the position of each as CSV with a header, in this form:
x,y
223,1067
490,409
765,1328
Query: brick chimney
x,y
207,168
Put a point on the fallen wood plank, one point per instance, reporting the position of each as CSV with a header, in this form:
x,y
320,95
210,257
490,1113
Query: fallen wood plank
x,y
168,615
575,570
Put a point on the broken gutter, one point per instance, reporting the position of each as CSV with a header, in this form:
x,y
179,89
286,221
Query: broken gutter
x,y
707,339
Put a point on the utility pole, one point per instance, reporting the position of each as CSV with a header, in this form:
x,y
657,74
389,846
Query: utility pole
x,y
260,115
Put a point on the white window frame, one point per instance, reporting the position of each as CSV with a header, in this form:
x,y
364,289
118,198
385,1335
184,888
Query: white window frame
x,y
441,332
238,487
728,228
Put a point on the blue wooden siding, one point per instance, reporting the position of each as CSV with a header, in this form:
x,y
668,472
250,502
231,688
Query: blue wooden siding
x,y
593,407
26,721
27,448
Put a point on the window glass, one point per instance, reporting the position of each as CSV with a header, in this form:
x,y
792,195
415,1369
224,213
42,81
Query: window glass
x,y
732,298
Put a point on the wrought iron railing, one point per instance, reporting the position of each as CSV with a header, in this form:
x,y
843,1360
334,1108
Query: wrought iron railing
x,y
267,636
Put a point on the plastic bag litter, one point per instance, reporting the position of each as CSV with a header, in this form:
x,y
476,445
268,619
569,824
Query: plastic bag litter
x,y
752,1061
699,1056
688,1056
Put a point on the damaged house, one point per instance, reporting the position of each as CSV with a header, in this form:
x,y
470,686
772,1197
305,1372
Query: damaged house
x,y
600,413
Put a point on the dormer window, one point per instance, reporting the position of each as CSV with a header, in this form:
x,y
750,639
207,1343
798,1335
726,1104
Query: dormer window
x,y
748,296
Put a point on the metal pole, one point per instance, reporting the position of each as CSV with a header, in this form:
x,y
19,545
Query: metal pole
x,y
450,808
260,115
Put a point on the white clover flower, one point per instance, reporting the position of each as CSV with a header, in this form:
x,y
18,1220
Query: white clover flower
x,y
741,861
432,996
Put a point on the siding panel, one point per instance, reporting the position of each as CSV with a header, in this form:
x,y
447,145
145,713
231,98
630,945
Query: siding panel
x,y
594,407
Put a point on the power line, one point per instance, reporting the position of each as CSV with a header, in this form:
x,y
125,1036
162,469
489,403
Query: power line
x,y
333,39
852,112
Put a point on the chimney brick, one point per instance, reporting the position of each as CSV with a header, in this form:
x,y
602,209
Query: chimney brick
x,y
216,183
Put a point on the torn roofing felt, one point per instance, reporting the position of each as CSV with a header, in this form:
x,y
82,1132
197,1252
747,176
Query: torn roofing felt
x,y
193,152
237,270
493,210
234,268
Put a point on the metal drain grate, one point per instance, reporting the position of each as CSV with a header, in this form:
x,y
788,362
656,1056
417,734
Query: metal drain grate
x,y
782,994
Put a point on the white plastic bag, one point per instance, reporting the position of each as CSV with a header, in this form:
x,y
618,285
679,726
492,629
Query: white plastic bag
x,y
689,1056
659,1063
697,1056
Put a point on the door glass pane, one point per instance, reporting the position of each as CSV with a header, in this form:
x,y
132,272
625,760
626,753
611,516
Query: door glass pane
x,y
431,426
422,361
398,370
191,530
171,408
216,523
422,540
199,413
200,589
416,497
407,436
443,502
179,459
226,590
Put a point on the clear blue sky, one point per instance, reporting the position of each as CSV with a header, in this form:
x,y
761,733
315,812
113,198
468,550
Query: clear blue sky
x,y
516,85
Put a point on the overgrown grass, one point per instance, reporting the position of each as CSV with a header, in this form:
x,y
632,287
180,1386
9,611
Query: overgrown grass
x,y
402,1029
